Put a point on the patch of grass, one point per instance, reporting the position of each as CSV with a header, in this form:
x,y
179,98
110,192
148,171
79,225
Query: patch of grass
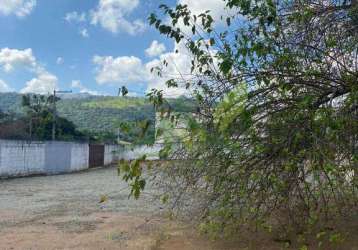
x,y
116,102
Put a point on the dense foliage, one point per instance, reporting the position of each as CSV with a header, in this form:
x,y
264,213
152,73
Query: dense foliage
x,y
275,139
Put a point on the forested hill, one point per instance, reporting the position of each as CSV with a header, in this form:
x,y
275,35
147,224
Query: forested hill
x,y
97,113
10,102
101,114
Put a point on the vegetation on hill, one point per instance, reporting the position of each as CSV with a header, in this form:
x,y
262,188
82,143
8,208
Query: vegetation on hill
x,y
105,114
116,102
10,102
37,122
101,116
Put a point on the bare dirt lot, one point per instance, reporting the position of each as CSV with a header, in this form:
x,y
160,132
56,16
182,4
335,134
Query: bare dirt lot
x,y
64,212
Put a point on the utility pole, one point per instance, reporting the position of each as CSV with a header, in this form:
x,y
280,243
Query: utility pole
x,y
54,112
118,135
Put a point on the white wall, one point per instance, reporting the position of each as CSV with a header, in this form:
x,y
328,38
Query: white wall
x,y
79,156
111,153
152,152
20,158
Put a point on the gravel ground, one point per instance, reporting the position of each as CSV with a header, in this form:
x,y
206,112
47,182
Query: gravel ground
x,y
72,194
64,212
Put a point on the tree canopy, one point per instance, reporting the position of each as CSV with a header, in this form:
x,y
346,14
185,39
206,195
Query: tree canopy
x,y
39,118
275,138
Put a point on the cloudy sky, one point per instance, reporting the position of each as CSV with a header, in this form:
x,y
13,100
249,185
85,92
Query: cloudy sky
x,y
90,46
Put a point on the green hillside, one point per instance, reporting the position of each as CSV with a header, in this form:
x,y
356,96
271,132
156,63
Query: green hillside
x,y
96,114
105,113
115,102
10,102
99,114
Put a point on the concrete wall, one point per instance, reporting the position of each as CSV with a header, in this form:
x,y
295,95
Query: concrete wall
x,y
79,156
21,158
132,153
57,157
111,153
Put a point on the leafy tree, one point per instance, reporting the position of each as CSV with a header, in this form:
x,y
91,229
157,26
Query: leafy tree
x,y
36,108
40,117
275,138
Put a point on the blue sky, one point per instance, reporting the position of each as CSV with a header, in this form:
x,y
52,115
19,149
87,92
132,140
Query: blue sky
x,y
91,46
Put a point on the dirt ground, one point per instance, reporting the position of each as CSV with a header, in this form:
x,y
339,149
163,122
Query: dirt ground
x,y
65,212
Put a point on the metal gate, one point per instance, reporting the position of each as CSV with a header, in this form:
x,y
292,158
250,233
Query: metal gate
x,y
96,155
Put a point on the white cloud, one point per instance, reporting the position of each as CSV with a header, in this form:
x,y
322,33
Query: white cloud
x,y
122,70
131,70
60,60
78,85
10,58
44,83
112,15
179,66
4,87
84,33
20,8
217,7
76,17
155,49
